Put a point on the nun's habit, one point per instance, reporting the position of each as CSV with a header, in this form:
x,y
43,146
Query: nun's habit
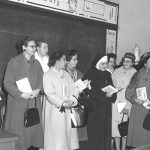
x,y
99,120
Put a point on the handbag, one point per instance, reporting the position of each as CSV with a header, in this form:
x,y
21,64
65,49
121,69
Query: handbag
x,y
146,123
123,127
31,116
79,116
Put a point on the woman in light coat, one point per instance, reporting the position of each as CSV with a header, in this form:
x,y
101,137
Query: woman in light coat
x,y
59,89
121,78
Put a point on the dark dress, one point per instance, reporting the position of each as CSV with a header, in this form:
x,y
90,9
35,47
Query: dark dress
x,y
99,120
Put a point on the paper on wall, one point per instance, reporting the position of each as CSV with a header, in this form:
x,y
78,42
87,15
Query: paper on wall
x,y
24,85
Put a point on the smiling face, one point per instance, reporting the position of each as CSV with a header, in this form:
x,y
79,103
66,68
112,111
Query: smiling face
x,y
103,66
73,62
127,63
112,62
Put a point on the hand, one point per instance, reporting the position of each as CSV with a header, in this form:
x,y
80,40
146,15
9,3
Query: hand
x,y
25,96
35,93
68,104
87,83
139,101
109,95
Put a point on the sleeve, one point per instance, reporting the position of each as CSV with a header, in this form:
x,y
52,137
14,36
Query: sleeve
x,y
130,92
114,96
74,92
99,95
10,81
114,77
50,91
40,78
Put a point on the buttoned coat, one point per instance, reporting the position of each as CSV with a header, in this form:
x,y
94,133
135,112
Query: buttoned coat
x,y
18,69
58,132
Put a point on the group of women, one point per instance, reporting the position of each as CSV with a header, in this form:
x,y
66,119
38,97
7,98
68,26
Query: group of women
x,y
61,92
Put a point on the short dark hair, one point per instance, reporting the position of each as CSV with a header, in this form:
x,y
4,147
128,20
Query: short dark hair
x,y
70,53
54,57
26,40
22,42
39,43
111,55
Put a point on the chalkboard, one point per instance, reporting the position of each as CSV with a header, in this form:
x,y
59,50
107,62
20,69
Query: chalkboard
x,y
61,31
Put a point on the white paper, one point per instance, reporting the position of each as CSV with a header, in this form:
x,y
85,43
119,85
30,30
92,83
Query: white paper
x,y
24,85
121,106
80,85
109,89
142,94
74,117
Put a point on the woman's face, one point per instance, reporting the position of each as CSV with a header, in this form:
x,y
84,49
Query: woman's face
x,y
30,48
43,49
127,63
103,66
111,62
62,62
73,62
147,65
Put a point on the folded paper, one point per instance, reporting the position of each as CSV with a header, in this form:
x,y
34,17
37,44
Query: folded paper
x,y
24,85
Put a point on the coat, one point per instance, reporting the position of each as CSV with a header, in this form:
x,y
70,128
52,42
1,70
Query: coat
x,y
17,69
82,132
121,78
99,120
58,86
137,135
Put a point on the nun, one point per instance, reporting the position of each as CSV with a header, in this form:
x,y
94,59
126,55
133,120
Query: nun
x,y
99,119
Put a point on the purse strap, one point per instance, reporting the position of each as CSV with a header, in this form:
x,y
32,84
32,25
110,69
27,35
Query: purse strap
x,y
122,118
28,102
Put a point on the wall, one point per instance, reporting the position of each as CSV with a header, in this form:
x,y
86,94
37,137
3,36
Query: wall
x,y
134,21
61,31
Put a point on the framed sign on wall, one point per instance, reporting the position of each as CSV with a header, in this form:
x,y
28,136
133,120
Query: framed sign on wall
x,y
111,41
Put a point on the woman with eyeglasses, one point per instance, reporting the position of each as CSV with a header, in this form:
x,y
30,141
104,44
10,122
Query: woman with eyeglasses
x,y
138,136
24,68
121,78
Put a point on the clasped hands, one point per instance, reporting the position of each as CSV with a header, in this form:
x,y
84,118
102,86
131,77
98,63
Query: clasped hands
x,y
141,102
27,96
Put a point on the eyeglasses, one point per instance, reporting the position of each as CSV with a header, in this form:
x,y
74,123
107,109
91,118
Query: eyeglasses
x,y
127,61
32,46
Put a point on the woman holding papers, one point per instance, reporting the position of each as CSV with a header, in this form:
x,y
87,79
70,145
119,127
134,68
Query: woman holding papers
x,y
137,135
99,120
60,94
121,78
72,60
23,82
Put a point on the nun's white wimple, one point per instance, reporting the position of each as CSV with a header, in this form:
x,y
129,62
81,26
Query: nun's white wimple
x,y
102,60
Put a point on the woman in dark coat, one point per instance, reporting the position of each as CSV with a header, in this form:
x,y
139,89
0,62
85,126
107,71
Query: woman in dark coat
x,y
99,120
20,67
137,135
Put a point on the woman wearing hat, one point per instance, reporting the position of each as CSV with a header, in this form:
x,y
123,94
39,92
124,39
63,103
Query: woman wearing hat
x,y
121,78
137,135
99,120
